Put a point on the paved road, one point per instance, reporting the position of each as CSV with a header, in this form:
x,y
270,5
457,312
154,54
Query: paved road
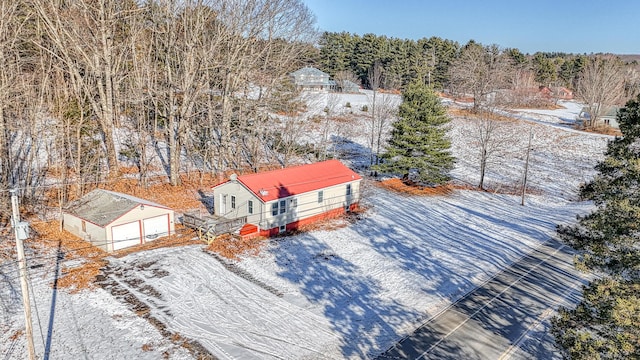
x,y
507,317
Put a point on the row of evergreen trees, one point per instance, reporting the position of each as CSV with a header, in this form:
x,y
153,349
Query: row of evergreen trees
x,y
428,60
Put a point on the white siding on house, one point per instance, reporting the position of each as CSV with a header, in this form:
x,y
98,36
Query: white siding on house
x,y
307,204
242,197
296,207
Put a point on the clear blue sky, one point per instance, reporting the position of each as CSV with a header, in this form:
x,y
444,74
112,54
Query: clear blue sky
x,y
571,26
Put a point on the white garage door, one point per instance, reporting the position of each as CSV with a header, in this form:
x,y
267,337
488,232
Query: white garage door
x,y
156,227
126,235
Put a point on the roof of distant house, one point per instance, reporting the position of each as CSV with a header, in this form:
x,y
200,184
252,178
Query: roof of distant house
x,y
103,207
608,111
309,71
276,184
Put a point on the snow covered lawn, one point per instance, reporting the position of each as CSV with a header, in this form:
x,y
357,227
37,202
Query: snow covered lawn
x,y
345,293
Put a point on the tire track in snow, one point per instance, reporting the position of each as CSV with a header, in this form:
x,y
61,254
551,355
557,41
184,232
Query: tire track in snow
x,y
115,282
250,313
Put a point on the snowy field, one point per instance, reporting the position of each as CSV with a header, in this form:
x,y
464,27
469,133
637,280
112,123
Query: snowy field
x,y
346,293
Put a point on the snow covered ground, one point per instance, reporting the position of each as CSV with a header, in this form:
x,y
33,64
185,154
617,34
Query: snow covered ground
x,y
331,294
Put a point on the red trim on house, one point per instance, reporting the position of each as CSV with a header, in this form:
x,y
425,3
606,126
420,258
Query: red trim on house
x,y
248,229
142,238
121,215
331,214
312,219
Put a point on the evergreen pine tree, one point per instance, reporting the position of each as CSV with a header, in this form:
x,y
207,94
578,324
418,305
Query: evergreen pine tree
x,y
418,140
606,323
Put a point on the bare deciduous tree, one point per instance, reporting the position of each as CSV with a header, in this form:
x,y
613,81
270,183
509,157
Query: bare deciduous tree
x,y
479,71
343,77
179,34
84,36
9,71
632,81
601,84
375,80
387,108
19,104
492,140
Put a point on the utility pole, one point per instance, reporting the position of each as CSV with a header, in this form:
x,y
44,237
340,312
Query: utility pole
x,y
526,168
22,266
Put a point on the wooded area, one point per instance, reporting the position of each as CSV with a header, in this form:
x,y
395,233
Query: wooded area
x,y
184,79
432,59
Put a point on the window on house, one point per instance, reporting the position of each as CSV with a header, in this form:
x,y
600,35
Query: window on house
x,y
293,203
84,226
283,228
348,189
250,207
233,202
320,196
274,208
283,206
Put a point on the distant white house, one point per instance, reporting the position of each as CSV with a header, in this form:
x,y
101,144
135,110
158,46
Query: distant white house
x,y
113,221
609,117
310,78
283,200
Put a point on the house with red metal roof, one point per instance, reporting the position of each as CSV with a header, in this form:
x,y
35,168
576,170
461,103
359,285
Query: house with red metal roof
x,y
283,200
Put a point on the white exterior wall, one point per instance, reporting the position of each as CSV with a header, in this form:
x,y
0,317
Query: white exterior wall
x,y
243,196
138,214
334,197
93,233
102,236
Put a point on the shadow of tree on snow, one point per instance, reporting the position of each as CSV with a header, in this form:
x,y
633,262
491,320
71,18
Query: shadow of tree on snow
x,y
351,301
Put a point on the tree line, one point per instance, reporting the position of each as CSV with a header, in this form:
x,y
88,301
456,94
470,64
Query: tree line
x,y
478,70
431,59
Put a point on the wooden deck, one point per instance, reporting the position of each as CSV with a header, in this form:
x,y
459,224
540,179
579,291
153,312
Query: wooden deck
x,y
210,226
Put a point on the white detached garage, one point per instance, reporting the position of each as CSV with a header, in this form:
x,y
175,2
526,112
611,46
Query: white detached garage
x,y
114,221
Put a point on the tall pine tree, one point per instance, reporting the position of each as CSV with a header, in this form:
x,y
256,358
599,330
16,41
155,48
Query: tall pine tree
x,y
419,143
606,323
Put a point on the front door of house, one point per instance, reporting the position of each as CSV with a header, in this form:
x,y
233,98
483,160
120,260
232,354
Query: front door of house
x,y
223,204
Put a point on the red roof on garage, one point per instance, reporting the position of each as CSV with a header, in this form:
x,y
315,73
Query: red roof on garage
x,y
275,184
